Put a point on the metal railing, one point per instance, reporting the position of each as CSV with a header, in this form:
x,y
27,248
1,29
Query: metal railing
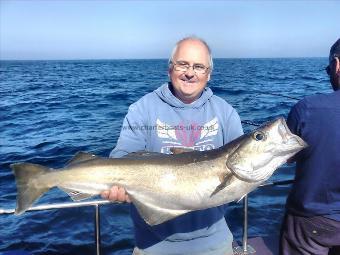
x,y
95,203
246,249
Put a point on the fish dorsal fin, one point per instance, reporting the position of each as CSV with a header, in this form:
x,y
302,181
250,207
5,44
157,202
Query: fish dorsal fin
x,y
152,214
80,157
75,195
179,150
142,154
225,181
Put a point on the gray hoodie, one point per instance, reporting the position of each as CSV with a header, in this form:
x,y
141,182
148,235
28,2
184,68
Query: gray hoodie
x,y
159,121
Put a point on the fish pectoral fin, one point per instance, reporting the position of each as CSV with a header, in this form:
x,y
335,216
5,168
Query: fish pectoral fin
x,y
225,182
154,215
76,195
80,157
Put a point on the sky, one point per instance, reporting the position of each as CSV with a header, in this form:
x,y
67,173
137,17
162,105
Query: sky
x,y
104,29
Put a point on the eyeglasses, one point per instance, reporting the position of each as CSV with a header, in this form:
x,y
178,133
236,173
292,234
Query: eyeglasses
x,y
182,66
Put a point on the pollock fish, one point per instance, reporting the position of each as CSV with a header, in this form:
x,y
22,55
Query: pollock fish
x,y
163,186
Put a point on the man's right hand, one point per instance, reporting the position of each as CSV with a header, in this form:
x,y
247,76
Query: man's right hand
x,y
116,194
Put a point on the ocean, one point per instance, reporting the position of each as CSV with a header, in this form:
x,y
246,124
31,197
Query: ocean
x,y
49,110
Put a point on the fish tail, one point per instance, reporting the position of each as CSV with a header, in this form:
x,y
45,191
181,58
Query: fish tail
x,y
28,189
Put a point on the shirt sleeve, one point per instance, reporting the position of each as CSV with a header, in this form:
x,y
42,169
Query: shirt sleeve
x,y
294,120
132,136
295,124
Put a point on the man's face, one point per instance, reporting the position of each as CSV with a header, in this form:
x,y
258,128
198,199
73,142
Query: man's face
x,y
188,85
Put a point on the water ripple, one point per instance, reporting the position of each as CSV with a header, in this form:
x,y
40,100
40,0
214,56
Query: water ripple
x,y
50,110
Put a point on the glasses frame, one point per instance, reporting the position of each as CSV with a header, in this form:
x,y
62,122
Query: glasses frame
x,y
187,66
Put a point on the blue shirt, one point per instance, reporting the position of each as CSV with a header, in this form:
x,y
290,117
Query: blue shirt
x,y
316,190
158,122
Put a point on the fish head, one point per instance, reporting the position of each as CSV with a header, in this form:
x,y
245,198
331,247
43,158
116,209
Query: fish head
x,y
262,151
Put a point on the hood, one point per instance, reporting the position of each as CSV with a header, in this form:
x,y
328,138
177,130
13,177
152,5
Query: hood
x,y
165,94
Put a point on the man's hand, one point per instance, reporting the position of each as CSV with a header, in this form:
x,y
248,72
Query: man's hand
x,y
116,194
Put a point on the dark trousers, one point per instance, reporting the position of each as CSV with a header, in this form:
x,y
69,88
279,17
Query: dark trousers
x,y
309,236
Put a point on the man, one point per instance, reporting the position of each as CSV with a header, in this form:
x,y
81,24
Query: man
x,y
312,220
182,113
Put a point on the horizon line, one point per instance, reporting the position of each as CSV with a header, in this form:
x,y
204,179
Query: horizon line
x,y
110,59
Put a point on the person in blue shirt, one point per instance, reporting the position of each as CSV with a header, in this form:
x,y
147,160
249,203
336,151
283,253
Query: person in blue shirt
x,y
181,113
312,221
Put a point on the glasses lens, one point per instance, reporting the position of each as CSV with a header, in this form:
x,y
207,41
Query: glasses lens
x,y
183,67
200,69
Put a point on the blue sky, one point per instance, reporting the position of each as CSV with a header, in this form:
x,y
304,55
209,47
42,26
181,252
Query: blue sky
x,y
51,29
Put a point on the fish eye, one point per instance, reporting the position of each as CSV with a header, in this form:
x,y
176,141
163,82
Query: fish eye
x,y
259,136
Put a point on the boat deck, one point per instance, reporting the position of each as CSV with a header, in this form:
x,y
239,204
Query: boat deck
x,y
258,246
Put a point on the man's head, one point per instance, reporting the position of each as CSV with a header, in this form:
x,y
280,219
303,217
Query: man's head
x,y
333,69
190,66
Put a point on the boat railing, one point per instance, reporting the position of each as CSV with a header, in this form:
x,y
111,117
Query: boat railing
x,y
248,249
245,249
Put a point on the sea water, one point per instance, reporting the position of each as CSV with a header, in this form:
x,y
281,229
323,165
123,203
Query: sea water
x,y
49,110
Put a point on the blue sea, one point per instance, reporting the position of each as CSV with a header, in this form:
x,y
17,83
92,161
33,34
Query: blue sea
x,y
49,110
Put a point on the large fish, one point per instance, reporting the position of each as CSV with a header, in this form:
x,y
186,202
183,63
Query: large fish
x,y
163,186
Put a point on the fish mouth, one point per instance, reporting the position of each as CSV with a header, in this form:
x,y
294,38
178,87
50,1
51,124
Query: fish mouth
x,y
288,137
